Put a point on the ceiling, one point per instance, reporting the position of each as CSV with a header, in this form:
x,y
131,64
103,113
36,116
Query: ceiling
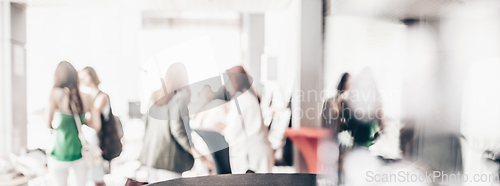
x,y
399,9
243,6
396,9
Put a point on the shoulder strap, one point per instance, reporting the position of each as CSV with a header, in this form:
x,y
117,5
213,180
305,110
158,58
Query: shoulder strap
x,y
87,103
78,122
97,94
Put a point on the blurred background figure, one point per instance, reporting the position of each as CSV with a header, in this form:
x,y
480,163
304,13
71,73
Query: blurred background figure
x,y
364,120
209,111
332,115
244,131
66,153
108,133
167,148
334,118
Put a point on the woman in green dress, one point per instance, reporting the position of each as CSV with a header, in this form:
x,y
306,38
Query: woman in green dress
x,y
66,153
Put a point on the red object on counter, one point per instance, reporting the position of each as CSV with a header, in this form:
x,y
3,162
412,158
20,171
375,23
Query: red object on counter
x,y
307,140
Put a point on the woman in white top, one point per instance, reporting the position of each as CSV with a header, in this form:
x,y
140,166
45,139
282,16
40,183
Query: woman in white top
x,y
89,79
244,131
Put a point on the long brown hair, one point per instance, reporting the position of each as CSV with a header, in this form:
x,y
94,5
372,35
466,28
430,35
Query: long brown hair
x,y
239,76
93,75
67,77
343,82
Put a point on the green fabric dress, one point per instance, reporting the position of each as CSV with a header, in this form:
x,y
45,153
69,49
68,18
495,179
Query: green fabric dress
x,y
67,146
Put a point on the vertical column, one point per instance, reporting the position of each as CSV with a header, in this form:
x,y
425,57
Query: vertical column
x,y
13,117
306,103
253,29
5,78
311,62
18,77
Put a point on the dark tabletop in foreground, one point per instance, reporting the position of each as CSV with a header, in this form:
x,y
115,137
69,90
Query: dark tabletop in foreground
x,y
245,179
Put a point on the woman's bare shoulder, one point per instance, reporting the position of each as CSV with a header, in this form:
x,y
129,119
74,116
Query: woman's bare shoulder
x,y
101,98
103,94
56,92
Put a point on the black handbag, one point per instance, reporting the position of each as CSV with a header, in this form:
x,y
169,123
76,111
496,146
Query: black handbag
x,y
109,137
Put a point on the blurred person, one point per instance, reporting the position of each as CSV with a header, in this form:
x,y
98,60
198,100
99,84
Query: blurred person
x,y
244,130
107,133
209,111
66,153
364,109
167,148
332,115
364,122
334,118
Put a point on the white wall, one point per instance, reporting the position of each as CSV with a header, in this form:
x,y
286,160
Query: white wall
x,y
5,78
205,53
104,38
225,44
282,43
